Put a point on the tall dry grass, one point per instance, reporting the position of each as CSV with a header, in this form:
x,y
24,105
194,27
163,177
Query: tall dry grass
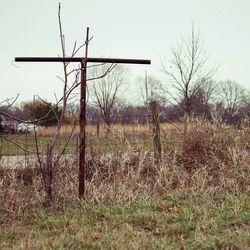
x,y
211,157
116,129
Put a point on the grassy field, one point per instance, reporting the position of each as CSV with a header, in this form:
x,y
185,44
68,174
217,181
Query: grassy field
x,y
196,197
21,145
136,136
180,220
26,144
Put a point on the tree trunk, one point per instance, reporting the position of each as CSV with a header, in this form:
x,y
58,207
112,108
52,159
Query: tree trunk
x,y
107,120
108,123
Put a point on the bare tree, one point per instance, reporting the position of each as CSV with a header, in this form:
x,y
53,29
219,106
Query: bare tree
x,y
151,89
188,70
50,166
105,92
233,96
244,111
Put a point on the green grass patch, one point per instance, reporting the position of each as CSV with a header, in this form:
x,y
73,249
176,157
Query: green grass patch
x,y
183,220
26,144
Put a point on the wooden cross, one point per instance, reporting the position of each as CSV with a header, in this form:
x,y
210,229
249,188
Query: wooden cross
x,y
82,117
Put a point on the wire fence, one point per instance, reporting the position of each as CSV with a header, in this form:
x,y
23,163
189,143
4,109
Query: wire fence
x,y
20,149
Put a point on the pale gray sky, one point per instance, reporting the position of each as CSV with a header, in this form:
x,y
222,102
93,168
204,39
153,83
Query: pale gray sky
x,y
128,29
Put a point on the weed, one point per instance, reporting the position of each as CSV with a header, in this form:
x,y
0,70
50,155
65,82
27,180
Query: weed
x,y
197,197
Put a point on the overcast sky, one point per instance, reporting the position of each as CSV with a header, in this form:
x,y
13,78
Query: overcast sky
x,y
121,28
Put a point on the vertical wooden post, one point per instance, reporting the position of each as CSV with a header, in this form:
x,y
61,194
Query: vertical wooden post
x,y
154,107
82,120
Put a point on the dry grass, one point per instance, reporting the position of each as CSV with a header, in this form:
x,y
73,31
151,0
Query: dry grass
x,y
213,159
210,156
123,179
117,129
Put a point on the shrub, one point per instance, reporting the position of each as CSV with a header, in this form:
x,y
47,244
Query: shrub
x,y
205,143
46,113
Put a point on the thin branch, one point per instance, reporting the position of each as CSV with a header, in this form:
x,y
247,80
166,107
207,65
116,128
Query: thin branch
x,y
9,101
66,144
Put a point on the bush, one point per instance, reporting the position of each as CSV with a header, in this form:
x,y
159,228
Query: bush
x,y
46,113
206,143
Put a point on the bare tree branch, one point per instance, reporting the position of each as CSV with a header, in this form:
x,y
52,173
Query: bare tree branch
x,y
188,70
104,91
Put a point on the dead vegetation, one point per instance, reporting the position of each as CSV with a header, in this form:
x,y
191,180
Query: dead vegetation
x,y
210,156
196,197
117,130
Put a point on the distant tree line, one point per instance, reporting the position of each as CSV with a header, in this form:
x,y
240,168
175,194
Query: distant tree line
x,y
187,90
227,102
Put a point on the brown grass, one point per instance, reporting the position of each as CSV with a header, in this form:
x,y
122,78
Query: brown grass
x,y
117,129
211,157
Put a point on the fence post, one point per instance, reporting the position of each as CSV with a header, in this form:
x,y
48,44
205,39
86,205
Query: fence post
x,y
154,108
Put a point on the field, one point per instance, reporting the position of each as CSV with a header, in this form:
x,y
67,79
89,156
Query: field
x,y
136,135
196,197
179,220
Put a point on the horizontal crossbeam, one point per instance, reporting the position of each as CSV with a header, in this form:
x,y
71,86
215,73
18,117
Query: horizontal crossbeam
x,y
80,59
